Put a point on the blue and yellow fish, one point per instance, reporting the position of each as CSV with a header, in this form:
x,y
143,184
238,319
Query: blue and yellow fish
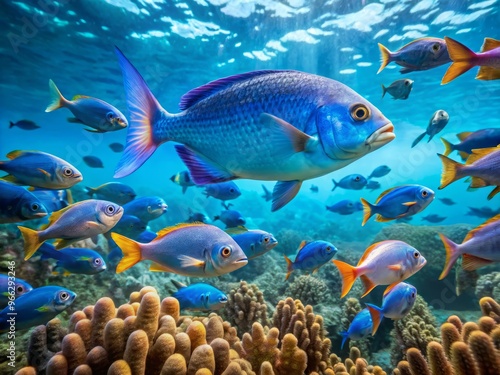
x,y
15,290
360,327
311,256
18,204
253,242
146,208
199,297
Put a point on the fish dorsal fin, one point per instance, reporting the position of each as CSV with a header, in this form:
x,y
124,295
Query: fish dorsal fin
x,y
76,97
475,230
367,252
14,154
383,194
57,214
198,94
237,230
463,135
489,44
302,244
479,153
168,230
178,284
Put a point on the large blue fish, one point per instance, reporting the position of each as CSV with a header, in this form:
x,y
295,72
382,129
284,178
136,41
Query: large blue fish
x,y
254,242
53,200
360,327
12,288
224,190
484,138
199,297
146,208
396,304
286,125
36,307
76,260
398,202
311,256
35,168
18,204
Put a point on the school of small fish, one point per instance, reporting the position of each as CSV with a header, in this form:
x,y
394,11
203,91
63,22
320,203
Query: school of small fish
x,y
214,120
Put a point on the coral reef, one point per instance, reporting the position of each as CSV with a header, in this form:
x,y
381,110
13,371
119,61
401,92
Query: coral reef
x,y
415,330
489,285
245,306
308,289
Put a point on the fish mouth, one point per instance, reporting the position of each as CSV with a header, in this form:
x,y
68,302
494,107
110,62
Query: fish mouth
x,y
381,136
272,245
242,260
40,214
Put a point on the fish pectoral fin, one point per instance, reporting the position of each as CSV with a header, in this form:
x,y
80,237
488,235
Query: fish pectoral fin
x,y
156,267
284,192
285,138
390,287
43,309
487,73
44,172
202,170
74,120
187,261
494,192
368,284
92,224
394,267
471,262
409,204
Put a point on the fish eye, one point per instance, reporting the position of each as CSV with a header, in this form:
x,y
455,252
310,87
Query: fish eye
x,y
97,261
110,116
64,296
68,172
413,295
19,289
424,193
407,83
223,299
328,249
435,47
416,254
356,178
226,251
110,209
35,206
360,112
266,239
231,190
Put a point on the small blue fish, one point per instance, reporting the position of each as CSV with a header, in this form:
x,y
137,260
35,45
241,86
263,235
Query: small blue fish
x,y
146,236
399,89
77,222
24,124
420,54
129,226
360,327
199,297
484,212
447,201
182,179
314,188
311,256
434,218
13,288
231,218
373,185
197,217
396,304
100,116
75,260
263,125
398,202
36,307
146,208
18,204
437,123
116,147
93,161
268,196
253,242
224,191
345,207
380,171
114,192
35,168
53,200
351,182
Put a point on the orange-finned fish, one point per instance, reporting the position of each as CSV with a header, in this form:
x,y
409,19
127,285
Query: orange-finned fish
x,y
383,263
478,249
464,59
483,165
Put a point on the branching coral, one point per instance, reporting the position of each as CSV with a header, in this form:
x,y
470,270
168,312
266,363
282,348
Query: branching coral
x,y
489,286
309,290
246,306
415,330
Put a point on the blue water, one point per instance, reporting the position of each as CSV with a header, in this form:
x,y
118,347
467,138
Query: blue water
x,y
179,45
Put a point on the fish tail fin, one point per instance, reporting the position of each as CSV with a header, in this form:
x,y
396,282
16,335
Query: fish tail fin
x,y
384,90
11,124
418,139
57,100
335,184
31,241
385,57
452,171
368,211
144,112
377,316
452,254
345,336
48,251
348,274
90,191
289,267
131,252
448,147
463,59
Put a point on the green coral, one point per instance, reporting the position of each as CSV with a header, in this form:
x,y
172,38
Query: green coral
x,y
310,290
